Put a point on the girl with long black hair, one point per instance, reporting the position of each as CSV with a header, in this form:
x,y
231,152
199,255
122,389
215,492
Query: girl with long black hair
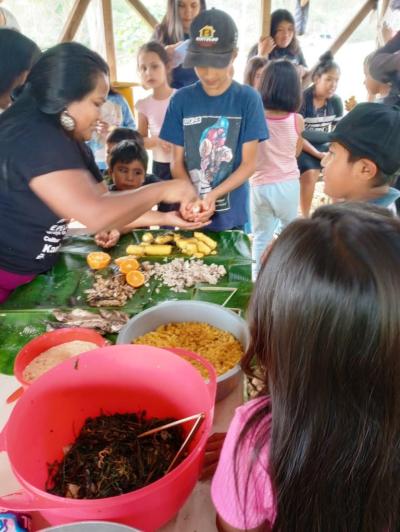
x,y
318,450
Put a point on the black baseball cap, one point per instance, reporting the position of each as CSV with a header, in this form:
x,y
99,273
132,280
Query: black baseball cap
x,y
213,38
371,130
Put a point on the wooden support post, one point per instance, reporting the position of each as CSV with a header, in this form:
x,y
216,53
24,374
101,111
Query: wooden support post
x,y
353,25
75,17
265,17
384,8
109,38
348,30
144,13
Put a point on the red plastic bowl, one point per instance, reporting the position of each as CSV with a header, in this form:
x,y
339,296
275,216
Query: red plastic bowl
x,y
50,339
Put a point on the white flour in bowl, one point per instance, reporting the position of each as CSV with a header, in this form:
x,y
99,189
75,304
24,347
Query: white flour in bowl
x,y
54,356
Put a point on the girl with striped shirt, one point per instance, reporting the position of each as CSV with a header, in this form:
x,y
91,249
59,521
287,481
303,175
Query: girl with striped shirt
x,y
275,188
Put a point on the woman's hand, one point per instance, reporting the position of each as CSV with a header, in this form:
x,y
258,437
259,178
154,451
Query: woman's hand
x,y
170,49
102,128
178,190
175,219
265,46
107,239
213,450
350,103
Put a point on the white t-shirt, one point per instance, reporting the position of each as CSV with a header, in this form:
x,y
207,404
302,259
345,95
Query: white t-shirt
x,y
154,111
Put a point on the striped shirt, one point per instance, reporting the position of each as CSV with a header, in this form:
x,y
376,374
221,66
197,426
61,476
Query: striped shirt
x,y
276,157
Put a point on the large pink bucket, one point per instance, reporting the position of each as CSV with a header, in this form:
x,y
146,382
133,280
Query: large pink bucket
x,y
113,379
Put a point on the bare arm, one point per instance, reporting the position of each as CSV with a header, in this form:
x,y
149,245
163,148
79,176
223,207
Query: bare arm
x,y
204,208
300,128
143,128
309,148
74,194
178,168
222,526
171,218
241,174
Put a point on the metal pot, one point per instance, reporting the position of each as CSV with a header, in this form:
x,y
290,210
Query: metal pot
x,y
199,311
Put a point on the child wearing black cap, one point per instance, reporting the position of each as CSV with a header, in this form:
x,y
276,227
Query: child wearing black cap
x,y
215,126
364,156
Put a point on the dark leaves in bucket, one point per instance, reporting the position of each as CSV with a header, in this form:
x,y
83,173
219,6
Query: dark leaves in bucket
x,y
108,459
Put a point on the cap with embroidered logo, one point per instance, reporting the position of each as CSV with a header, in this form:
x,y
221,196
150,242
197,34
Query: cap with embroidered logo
x,y
371,130
213,38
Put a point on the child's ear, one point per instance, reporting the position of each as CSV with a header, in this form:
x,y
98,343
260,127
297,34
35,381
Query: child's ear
x,y
234,55
367,169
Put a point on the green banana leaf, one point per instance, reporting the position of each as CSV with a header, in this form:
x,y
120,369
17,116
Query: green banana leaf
x,y
17,329
66,283
28,311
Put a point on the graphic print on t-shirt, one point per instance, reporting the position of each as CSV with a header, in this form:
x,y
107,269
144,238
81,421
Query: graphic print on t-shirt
x,y
52,240
209,152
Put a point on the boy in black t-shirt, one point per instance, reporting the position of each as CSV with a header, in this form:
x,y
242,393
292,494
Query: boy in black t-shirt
x,y
127,166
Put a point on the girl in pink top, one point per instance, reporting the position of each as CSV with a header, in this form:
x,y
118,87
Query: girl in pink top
x,y
275,188
154,69
319,450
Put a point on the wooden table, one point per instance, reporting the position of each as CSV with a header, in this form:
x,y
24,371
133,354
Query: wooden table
x,y
197,515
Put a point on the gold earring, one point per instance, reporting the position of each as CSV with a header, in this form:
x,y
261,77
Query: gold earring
x,y
67,122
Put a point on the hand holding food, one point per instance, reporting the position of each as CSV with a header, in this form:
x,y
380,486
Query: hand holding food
x,y
350,103
107,239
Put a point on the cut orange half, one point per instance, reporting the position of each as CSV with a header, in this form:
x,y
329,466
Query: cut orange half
x,y
135,278
98,260
127,264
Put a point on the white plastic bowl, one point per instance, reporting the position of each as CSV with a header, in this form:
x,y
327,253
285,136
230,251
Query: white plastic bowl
x,y
199,311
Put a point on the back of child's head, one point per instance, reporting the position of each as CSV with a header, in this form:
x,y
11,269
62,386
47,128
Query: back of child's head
x,y
283,15
119,134
252,67
371,131
128,151
280,87
325,64
325,330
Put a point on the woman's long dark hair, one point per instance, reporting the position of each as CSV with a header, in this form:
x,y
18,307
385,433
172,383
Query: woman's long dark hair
x,y
283,15
17,55
64,74
170,30
325,329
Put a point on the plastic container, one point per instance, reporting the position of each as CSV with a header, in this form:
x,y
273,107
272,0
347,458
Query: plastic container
x,y
200,311
43,342
91,526
112,379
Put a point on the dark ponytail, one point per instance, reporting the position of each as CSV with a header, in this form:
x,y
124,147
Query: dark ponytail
x,y
325,64
64,74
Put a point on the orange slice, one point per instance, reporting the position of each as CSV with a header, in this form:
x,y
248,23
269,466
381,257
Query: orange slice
x,y
135,278
98,260
127,264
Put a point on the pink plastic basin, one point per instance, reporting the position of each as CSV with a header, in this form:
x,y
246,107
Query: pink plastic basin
x,y
113,379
